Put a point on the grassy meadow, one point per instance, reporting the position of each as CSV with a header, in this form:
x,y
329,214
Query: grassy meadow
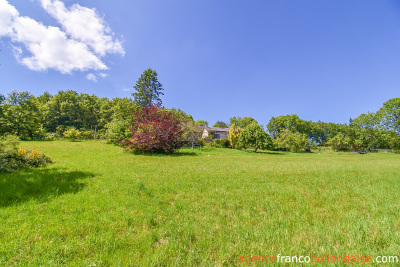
x,y
100,206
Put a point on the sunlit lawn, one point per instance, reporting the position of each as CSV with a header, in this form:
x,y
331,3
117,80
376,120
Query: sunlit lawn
x,y
97,205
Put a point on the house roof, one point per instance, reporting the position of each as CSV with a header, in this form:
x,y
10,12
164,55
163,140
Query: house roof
x,y
217,129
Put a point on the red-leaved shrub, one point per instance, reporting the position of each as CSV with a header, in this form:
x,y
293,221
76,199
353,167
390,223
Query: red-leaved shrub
x,y
155,130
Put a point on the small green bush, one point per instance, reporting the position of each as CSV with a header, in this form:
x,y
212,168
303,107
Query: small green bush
x,y
87,134
51,137
60,130
208,140
201,142
221,143
12,157
116,131
72,133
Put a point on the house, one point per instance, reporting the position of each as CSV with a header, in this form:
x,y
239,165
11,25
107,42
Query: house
x,y
215,132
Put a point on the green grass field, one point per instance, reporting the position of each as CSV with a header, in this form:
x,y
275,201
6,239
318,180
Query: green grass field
x,y
100,206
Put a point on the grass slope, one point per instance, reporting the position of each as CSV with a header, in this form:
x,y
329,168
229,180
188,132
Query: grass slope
x,y
98,205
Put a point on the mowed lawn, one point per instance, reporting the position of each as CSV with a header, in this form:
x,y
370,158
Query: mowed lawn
x,y
100,206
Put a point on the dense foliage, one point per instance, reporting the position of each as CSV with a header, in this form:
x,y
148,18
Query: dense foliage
x,y
154,130
366,132
48,116
73,115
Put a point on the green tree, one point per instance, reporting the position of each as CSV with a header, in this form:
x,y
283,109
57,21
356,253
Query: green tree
x,y
41,102
319,132
366,121
220,124
365,139
254,136
241,122
117,115
393,142
201,123
191,132
148,89
90,106
293,142
64,108
340,142
390,114
278,124
21,116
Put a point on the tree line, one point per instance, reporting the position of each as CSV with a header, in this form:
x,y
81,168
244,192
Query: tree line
x,y
369,131
79,115
29,117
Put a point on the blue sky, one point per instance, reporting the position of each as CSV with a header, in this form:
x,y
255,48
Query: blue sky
x,y
322,60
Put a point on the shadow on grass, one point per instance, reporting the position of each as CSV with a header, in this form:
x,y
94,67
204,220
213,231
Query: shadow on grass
x,y
266,152
39,184
176,154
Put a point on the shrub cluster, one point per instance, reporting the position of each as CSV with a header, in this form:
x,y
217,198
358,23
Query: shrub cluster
x,y
221,143
13,157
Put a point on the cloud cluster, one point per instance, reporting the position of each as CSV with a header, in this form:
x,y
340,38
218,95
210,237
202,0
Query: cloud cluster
x,y
81,42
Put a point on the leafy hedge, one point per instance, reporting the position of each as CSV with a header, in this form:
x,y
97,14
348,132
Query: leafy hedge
x,y
221,143
13,157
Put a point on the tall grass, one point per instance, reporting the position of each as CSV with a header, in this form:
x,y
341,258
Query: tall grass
x,y
97,205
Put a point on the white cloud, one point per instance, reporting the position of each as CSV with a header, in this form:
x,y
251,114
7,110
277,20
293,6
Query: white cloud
x,y
103,75
125,89
91,77
7,15
50,47
85,25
